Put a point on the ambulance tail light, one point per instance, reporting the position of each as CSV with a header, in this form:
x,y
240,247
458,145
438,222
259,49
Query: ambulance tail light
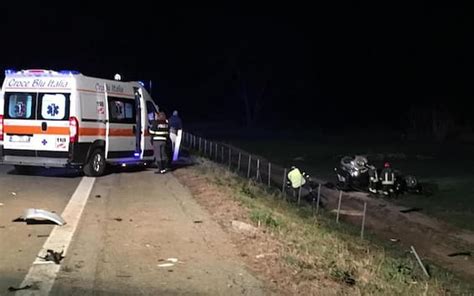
x,y
73,130
1,127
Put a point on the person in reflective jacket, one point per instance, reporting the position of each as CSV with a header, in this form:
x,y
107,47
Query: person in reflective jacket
x,y
159,132
387,179
298,180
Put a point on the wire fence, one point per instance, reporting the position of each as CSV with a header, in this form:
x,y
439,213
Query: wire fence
x,y
271,175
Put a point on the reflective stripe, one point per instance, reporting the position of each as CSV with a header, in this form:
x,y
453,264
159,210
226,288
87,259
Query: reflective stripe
x,y
158,138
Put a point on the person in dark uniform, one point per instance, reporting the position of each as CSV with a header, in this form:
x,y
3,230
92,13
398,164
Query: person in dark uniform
x,y
159,131
387,179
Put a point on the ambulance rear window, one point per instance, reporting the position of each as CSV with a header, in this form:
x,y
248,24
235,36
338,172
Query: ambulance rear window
x,y
20,105
54,106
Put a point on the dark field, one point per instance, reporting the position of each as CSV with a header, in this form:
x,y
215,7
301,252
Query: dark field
x,y
446,168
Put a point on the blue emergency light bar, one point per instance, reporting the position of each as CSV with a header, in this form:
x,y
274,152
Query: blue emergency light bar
x,y
40,72
10,71
72,72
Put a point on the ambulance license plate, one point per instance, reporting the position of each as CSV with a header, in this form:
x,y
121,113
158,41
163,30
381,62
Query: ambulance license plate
x,y
19,139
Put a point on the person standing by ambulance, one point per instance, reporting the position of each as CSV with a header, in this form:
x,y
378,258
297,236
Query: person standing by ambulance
x,y
159,131
176,129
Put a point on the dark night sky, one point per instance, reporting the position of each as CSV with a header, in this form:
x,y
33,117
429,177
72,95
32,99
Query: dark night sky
x,y
350,58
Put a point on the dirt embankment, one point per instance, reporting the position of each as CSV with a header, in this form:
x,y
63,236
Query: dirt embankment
x,y
261,251
433,239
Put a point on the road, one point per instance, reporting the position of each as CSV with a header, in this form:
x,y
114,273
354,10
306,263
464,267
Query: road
x,y
132,224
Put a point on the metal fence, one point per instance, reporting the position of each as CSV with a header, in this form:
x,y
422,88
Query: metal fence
x,y
265,172
274,176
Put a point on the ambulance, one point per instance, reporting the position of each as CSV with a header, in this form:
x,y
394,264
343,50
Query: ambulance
x,y
66,119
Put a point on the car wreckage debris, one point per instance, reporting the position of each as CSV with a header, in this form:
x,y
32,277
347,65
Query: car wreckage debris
x,y
38,214
410,210
13,289
460,254
51,255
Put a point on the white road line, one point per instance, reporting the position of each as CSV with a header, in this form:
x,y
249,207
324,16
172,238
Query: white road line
x,y
42,275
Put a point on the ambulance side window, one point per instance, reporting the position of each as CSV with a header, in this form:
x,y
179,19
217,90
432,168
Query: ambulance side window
x,y
121,110
53,106
150,110
20,105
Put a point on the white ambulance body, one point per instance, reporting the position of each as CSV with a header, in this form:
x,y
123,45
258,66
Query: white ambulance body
x,y
66,119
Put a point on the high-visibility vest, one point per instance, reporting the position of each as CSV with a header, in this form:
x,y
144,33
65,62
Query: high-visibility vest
x,y
159,130
296,178
388,177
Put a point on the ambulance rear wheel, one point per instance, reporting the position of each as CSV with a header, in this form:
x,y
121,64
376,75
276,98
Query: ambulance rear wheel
x,y
24,169
95,166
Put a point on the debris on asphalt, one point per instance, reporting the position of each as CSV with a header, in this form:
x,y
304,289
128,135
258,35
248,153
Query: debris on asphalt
x,y
171,262
31,215
13,289
13,193
1,204
123,275
394,240
98,196
51,255
42,235
118,219
197,221
460,254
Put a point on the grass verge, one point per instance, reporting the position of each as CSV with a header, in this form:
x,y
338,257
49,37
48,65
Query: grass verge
x,y
318,248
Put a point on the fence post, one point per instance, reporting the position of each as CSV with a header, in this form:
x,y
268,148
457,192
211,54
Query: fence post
x,y
363,221
299,194
249,164
200,145
258,169
238,164
222,152
283,184
230,157
339,206
217,159
210,150
419,261
205,147
319,198
269,173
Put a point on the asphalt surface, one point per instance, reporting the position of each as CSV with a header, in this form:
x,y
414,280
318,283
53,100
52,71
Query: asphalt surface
x,y
133,222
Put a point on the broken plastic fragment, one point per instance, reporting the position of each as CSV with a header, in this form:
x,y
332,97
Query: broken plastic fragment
x,y
166,265
34,214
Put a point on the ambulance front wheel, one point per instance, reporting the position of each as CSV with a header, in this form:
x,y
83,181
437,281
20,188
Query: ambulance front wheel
x,y
95,166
